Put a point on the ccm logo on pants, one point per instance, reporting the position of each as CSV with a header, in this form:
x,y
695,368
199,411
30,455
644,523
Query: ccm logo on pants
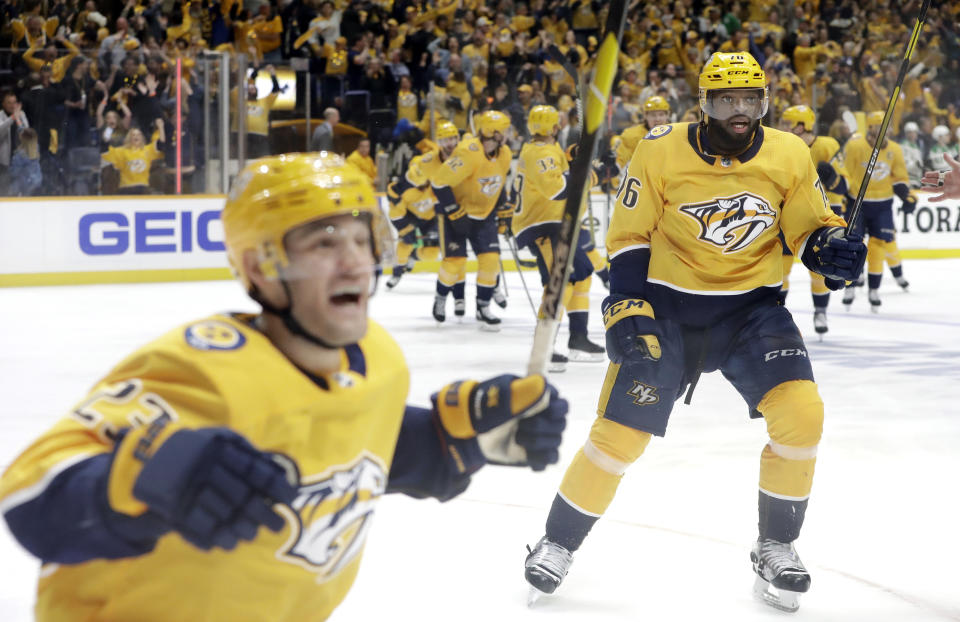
x,y
769,356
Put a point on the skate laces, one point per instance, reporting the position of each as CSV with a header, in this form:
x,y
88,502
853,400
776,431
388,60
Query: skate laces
x,y
779,557
550,557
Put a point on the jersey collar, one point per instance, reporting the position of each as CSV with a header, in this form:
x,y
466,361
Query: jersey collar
x,y
696,138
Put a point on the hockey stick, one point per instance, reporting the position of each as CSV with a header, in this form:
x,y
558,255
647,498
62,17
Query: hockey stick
x,y
595,109
503,277
894,96
516,258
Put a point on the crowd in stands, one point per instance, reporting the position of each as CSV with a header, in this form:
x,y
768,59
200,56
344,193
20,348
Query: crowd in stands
x,y
87,84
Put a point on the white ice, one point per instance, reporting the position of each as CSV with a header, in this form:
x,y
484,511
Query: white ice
x,y
880,538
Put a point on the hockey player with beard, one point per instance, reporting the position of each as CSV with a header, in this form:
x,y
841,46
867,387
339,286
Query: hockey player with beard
x,y
539,193
801,120
694,247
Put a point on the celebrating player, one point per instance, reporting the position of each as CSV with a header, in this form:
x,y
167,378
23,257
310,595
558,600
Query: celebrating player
x,y
147,501
421,219
468,186
656,111
800,120
694,274
889,178
540,193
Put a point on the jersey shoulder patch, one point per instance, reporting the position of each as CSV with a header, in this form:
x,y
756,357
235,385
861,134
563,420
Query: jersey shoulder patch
x,y
657,132
213,335
427,157
474,147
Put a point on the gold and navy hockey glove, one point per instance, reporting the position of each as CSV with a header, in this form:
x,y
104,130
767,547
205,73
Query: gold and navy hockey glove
x,y
632,329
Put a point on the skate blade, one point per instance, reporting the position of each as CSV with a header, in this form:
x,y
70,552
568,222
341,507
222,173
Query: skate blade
x,y
490,328
579,356
784,600
556,368
533,596
875,308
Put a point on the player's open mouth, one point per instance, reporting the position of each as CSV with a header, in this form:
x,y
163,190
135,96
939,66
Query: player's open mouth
x,y
346,296
740,125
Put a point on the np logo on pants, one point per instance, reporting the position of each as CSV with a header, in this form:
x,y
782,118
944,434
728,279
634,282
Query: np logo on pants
x,y
643,394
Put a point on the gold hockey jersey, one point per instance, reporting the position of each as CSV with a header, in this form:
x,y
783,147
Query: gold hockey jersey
x,y
628,142
823,149
890,168
340,429
421,203
540,179
475,179
712,223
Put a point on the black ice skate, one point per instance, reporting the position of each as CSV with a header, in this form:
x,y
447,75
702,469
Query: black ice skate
x,y
557,364
459,307
848,295
395,277
781,576
873,296
545,567
440,308
583,350
903,283
499,298
488,321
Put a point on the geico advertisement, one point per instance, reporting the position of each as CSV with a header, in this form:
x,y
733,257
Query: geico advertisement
x,y
112,233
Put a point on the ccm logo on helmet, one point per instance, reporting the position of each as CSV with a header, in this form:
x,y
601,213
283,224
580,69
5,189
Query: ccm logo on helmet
x,y
110,233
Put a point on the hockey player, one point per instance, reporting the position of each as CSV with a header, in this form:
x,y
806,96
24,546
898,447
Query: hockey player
x,y
469,186
801,120
447,138
694,274
946,182
656,111
412,215
539,195
889,178
147,501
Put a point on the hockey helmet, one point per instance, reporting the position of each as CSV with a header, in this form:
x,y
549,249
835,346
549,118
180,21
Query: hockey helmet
x,y
543,120
875,118
800,115
491,122
656,102
274,195
726,71
416,174
446,129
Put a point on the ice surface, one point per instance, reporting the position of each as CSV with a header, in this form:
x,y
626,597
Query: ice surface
x,y
880,537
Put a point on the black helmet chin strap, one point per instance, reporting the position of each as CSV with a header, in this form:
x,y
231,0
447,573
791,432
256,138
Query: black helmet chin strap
x,y
292,324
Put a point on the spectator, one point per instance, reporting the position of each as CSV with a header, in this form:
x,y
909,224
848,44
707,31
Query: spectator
x,y
322,139
379,83
75,88
943,144
12,122
407,102
111,129
258,114
25,175
58,65
912,153
114,48
362,160
134,159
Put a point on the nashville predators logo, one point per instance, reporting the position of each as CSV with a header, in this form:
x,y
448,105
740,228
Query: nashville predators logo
x,y
490,185
881,169
643,394
331,516
136,165
423,206
732,223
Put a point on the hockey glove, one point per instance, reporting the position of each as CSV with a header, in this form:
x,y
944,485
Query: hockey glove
x,y
211,485
828,176
835,256
632,329
517,421
909,204
504,220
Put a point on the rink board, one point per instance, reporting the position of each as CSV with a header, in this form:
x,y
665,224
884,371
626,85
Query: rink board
x,y
163,238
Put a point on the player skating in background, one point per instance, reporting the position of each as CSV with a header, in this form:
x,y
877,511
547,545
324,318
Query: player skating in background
x,y
469,189
656,111
146,501
889,178
695,272
824,150
539,194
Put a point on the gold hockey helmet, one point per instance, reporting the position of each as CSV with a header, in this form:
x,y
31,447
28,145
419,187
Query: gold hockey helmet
x,y
543,120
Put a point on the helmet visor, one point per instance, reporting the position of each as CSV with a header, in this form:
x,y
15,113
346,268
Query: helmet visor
x,y
723,104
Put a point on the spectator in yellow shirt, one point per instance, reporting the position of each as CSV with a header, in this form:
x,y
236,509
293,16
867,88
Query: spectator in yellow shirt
x,y
58,66
362,160
133,160
258,115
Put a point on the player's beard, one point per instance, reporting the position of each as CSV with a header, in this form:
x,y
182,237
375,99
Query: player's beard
x,y
725,142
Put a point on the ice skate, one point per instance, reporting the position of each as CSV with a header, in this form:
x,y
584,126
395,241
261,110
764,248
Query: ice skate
x,y
820,323
440,308
903,283
604,276
582,349
874,297
557,364
488,321
849,294
781,576
395,277
862,280
459,307
545,567
499,298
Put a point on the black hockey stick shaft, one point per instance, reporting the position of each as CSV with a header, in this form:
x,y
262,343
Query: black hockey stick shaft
x,y
516,259
854,217
597,95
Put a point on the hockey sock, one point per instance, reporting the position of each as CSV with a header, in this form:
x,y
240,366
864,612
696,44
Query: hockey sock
x,y
591,481
487,272
459,290
820,301
876,250
817,284
442,290
599,263
873,280
403,252
448,274
892,255
793,411
897,271
578,321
